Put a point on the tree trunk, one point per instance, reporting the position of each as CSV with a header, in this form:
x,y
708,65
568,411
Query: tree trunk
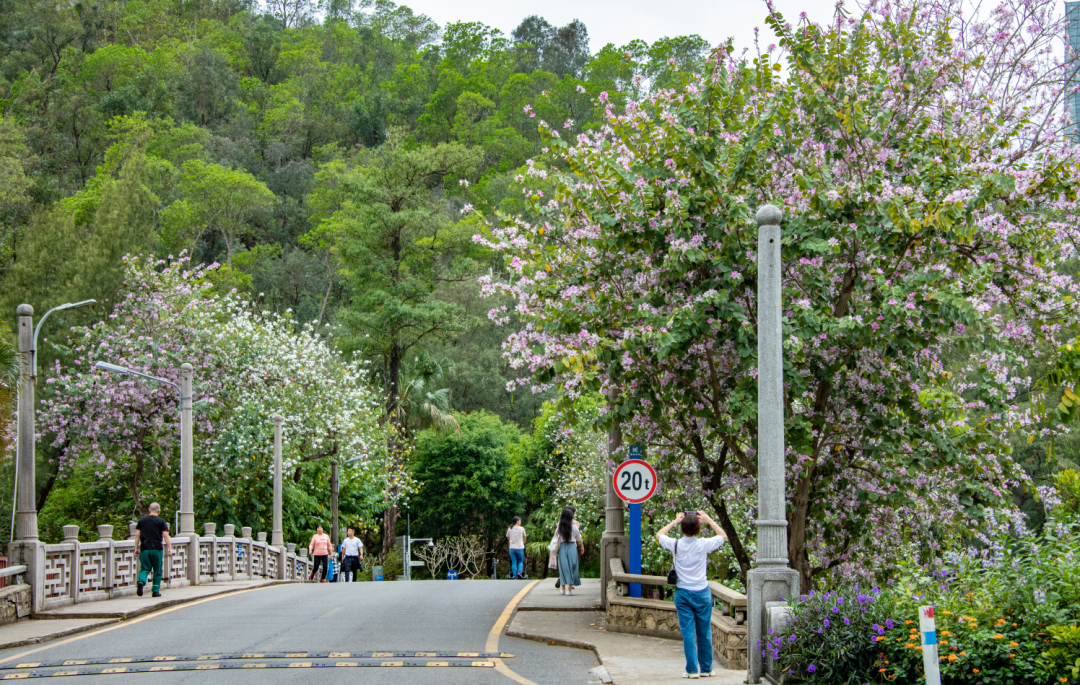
x,y
390,519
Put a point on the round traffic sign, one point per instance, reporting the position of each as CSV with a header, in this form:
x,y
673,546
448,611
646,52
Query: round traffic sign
x,y
635,481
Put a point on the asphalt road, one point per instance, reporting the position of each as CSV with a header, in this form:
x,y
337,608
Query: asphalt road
x,y
437,616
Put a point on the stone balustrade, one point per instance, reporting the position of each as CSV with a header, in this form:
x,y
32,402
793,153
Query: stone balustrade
x,y
641,616
73,572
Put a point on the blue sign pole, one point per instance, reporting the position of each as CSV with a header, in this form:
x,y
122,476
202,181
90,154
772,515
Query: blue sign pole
x,y
635,547
635,532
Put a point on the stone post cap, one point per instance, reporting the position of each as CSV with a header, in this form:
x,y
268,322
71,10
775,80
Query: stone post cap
x,y
277,418
245,531
71,533
229,529
769,215
24,310
292,547
303,552
262,537
209,528
104,532
131,530
186,367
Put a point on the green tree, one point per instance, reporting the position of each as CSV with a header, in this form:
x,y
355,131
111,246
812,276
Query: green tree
x,y
215,198
465,484
398,244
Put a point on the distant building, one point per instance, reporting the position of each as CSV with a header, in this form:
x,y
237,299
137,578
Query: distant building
x,y
1072,50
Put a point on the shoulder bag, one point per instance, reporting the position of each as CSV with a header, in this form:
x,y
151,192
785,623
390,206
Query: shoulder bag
x,y
672,576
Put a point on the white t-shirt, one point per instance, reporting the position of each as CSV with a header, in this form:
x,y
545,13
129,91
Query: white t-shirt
x,y
575,535
351,547
516,535
691,560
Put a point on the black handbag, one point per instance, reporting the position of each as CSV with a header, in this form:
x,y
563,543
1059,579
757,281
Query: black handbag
x,y
672,576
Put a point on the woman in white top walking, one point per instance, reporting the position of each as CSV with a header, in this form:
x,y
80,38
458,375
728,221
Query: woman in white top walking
x,y
693,599
516,535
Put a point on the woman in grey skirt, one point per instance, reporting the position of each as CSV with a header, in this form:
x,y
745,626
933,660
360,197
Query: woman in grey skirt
x,y
568,538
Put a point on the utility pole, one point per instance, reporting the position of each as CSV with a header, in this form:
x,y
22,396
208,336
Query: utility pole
x,y
613,543
333,503
277,535
26,513
771,581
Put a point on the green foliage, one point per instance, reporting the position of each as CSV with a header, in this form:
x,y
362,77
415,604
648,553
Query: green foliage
x,y
1068,491
465,485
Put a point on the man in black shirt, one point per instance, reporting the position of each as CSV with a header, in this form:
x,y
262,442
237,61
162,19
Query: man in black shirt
x,y
150,533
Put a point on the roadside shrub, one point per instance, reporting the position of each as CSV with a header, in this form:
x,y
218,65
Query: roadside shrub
x,y
832,637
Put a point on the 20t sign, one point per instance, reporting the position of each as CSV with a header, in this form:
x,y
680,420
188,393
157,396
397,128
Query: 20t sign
x,y
635,481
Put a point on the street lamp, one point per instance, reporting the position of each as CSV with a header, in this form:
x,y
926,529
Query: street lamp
x,y
24,445
186,514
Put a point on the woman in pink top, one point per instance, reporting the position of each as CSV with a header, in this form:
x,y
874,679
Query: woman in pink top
x,y
319,549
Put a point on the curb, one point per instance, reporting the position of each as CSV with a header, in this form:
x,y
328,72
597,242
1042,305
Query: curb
x,y
52,636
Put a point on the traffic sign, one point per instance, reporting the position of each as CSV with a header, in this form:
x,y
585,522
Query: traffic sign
x,y
451,574
635,481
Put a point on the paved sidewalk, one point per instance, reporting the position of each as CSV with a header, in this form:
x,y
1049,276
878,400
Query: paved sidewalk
x,y
627,659
76,618
546,597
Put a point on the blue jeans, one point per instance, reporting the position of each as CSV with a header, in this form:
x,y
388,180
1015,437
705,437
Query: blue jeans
x,y
517,562
695,622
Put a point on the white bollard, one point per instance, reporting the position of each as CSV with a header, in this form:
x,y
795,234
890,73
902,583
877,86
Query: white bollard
x,y
928,630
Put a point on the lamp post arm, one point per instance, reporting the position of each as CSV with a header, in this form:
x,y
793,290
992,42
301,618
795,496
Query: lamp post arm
x,y
162,380
37,329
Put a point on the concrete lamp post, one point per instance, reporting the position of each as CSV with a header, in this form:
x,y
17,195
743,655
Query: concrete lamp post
x,y
187,466
25,547
771,581
26,512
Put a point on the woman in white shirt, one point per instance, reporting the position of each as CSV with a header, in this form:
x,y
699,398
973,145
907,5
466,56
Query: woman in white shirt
x,y
516,535
693,599
568,539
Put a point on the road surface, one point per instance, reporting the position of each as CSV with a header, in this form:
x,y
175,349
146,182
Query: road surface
x,y
360,619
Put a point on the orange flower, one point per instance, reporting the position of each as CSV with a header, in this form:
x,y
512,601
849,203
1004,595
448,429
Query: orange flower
x,y
963,653
999,636
953,657
974,670
908,622
1014,644
1012,656
947,613
879,638
1014,625
1064,680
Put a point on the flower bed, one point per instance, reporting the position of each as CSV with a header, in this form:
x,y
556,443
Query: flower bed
x,y
1008,613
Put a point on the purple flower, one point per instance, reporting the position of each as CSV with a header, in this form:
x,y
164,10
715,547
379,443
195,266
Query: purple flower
x,y
839,600
776,642
811,668
776,654
876,626
827,624
889,623
876,590
836,610
862,599
791,639
880,631
819,631
846,621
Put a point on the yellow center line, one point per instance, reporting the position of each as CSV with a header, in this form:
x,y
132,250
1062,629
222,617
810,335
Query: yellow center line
x,y
133,621
496,632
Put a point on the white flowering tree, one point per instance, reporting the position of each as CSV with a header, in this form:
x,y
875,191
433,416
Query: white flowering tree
x,y
248,367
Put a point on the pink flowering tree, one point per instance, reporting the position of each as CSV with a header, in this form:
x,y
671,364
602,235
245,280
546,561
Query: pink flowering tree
x,y
929,205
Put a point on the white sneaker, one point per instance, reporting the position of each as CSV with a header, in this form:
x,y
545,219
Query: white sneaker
x,y
691,676
563,590
710,674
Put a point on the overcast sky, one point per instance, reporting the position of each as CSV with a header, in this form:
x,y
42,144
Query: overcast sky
x,y
620,22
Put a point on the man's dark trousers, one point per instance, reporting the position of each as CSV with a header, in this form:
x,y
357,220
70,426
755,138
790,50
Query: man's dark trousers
x,y
150,559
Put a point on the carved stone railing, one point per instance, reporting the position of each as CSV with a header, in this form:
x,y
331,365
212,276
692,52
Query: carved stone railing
x,y
76,572
658,618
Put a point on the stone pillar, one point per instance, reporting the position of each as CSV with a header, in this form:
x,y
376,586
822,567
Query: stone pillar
x,y
187,465
27,548
187,475
614,542
277,535
26,511
771,581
